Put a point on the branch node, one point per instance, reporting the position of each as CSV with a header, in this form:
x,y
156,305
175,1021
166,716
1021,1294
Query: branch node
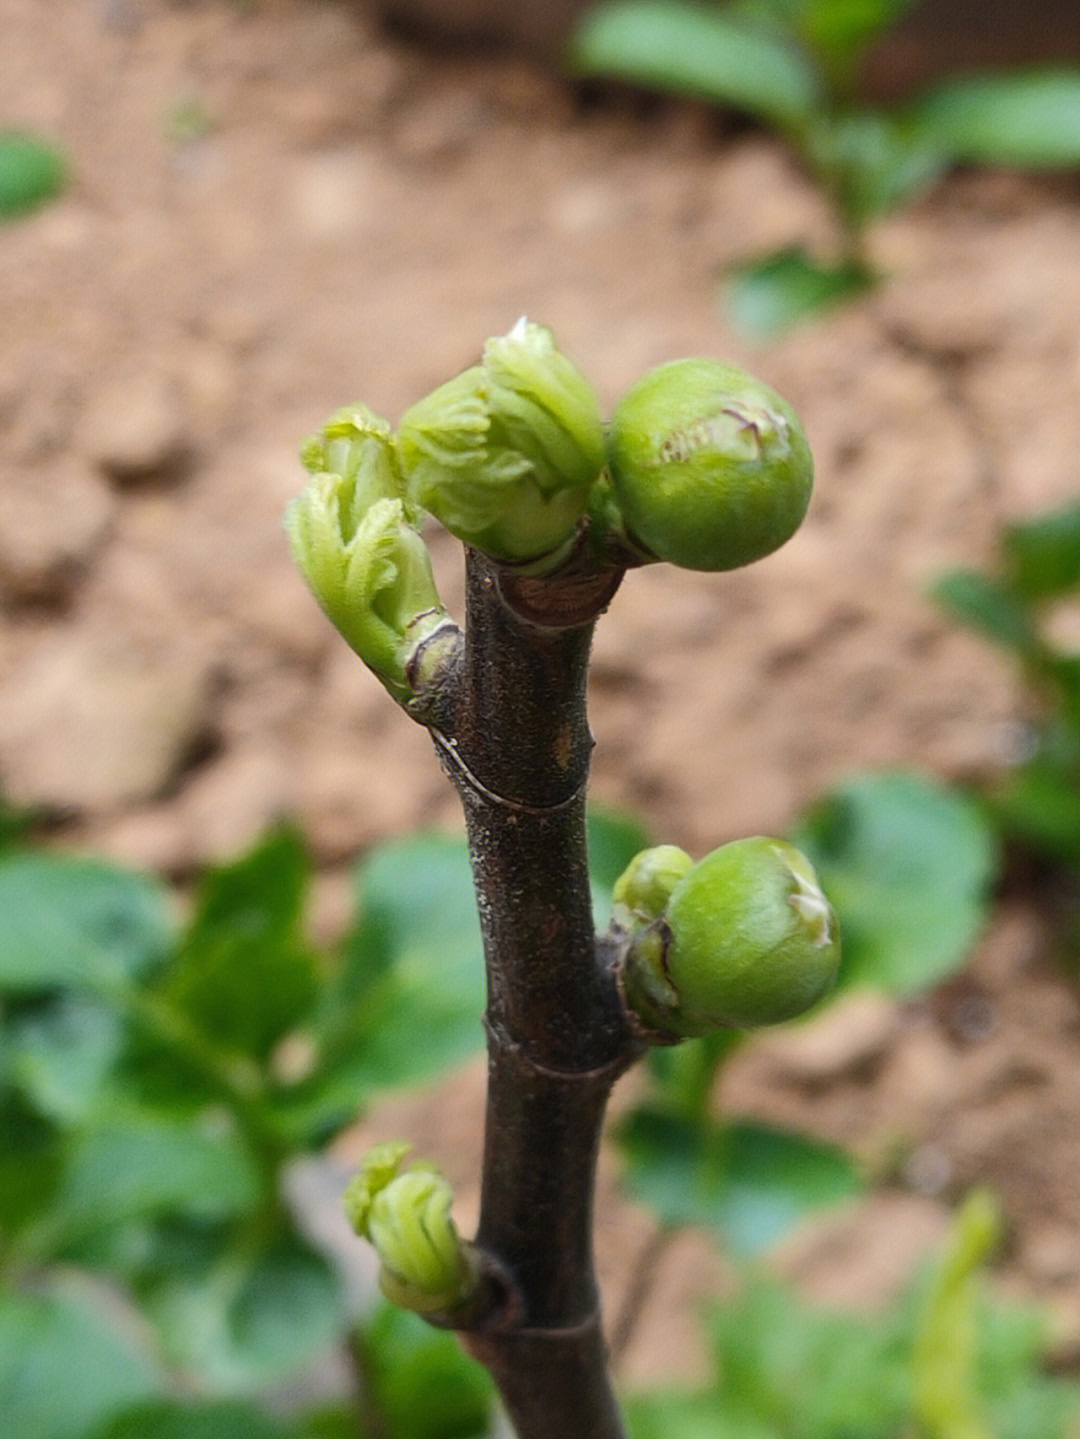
x,y
638,1040
495,1305
450,752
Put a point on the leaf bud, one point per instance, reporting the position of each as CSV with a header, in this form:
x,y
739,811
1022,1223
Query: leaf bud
x,y
370,572
379,1166
642,891
504,454
747,938
425,1264
710,467
356,445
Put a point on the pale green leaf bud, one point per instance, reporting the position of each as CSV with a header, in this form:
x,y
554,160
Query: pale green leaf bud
x,y
356,445
379,1166
425,1264
747,938
504,454
710,467
371,575
642,891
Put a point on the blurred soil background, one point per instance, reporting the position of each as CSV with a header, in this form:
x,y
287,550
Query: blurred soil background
x,y
279,207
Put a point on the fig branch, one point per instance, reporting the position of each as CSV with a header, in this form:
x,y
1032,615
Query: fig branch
x,y
701,466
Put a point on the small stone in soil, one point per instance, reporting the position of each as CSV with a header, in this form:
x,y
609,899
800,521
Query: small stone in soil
x,y
90,722
53,516
136,428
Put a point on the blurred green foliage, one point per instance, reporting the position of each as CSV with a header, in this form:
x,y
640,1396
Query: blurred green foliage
x,y
788,1370
910,866
794,65
160,1076
32,171
162,1072
1029,605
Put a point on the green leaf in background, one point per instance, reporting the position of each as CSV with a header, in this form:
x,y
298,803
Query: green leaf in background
x,y
422,1382
171,1420
31,171
151,1250
290,1308
63,1053
31,1161
675,1414
988,608
1039,803
67,1364
16,823
1029,119
696,49
775,1180
748,1184
614,840
251,1316
768,296
871,162
1021,1397
908,865
840,29
785,1367
409,996
78,924
1063,731
837,28
139,1165
417,895
945,1394
810,1370
244,973
685,1074
1043,554
419,934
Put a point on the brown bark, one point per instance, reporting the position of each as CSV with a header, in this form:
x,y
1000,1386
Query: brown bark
x,y
515,741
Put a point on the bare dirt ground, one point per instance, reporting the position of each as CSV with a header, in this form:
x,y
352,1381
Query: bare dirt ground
x,y
277,209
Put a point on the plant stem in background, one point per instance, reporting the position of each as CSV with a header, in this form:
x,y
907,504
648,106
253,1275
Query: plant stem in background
x,y
642,1278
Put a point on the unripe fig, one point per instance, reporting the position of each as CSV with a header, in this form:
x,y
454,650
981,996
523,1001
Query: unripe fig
x,y
710,467
747,939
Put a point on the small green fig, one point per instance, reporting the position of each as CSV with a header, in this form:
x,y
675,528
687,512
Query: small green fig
x,y
747,938
710,467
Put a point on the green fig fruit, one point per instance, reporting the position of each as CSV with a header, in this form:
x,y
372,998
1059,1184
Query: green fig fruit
x,y
710,468
747,939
